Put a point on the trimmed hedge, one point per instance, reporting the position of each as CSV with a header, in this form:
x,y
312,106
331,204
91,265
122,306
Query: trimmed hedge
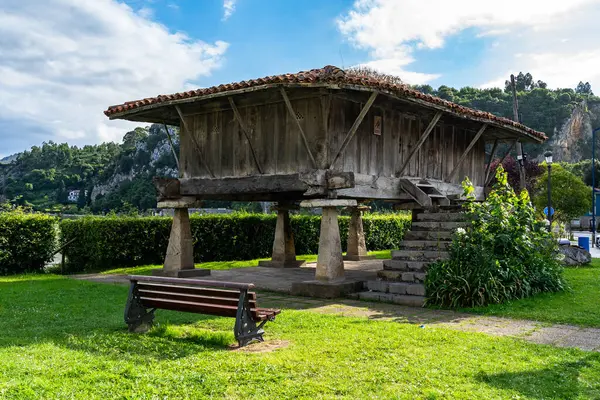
x,y
103,243
27,242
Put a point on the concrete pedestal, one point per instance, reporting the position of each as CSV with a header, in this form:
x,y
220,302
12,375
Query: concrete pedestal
x,y
357,247
179,261
284,250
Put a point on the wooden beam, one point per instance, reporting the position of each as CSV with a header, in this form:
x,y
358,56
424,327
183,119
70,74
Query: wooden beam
x,y
198,148
293,116
492,155
325,109
237,115
466,152
171,144
491,176
354,128
312,183
422,140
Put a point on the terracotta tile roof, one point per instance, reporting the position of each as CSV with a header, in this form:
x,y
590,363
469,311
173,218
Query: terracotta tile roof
x,y
329,75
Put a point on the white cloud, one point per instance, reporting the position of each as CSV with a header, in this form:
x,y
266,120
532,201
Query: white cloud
x,y
63,62
391,30
228,8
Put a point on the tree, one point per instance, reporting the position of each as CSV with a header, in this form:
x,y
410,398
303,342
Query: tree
x,y
61,193
571,198
511,166
584,88
81,199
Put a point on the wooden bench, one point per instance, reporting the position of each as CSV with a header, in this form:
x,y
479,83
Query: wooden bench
x,y
225,299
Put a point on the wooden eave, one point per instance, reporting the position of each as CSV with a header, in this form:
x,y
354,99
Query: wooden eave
x,y
164,112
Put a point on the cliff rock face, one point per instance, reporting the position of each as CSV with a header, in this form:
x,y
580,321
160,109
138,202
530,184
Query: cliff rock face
x,y
572,142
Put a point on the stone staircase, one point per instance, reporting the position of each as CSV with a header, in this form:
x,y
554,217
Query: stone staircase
x,y
401,280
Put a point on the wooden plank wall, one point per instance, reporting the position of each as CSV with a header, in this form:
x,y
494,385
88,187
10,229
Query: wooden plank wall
x,y
280,149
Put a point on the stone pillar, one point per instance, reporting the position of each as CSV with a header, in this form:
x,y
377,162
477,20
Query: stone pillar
x,y
284,249
329,281
179,261
330,264
357,247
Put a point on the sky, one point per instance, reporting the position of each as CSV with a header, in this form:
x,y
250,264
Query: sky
x,y
63,62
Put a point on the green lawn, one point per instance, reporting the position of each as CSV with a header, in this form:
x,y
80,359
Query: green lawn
x,y
217,265
580,305
63,338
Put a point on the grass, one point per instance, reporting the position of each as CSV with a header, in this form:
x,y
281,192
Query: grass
x,y
63,338
219,265
579,305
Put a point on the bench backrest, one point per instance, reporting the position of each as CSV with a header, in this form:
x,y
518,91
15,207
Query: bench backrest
x,y
192,295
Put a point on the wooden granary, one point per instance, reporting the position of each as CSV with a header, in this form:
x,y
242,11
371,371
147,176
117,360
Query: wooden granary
x,y
320,138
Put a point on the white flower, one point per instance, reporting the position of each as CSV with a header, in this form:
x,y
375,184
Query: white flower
x,y
461,231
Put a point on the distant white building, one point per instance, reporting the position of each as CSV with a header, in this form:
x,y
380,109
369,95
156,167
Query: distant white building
x,y
74,196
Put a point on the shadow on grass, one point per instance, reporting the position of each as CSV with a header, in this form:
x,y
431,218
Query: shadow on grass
x,y
88,317
560,381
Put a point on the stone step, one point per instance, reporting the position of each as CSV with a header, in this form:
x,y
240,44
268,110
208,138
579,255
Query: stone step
x,y
424,245
419,255
401,299
405,266
443,209
411,288
451,217
448,226
401,276
428,235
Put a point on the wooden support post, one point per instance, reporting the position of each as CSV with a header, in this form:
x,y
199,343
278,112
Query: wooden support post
x,y
491,176
293,116
466,152
489,164
179,261
191,134
238,117
354,128
284,250
357,247
172,146
422,140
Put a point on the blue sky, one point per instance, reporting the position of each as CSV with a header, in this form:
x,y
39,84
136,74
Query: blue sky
x,y
62,62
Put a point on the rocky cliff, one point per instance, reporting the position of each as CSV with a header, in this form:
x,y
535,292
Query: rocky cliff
x,y
572,142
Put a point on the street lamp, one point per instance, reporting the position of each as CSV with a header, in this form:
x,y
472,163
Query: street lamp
x,y
548,157
594,186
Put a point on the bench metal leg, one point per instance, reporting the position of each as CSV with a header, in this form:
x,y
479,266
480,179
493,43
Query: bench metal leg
x,y
246,330
137,317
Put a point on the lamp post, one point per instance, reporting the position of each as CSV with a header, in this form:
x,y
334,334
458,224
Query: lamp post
x,y
548,157
594,186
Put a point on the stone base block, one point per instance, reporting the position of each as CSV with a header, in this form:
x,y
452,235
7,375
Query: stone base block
x,y
326,290
358,258
279,264
181,273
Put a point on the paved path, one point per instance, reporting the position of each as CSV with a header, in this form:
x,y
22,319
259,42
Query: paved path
x,y
543,333
272,279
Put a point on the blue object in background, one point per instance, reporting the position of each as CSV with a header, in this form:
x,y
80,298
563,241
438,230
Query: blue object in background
x,y
584,241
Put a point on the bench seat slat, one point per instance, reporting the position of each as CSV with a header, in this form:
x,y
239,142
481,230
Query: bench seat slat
x,y
194,298
234,294
186,281
202,308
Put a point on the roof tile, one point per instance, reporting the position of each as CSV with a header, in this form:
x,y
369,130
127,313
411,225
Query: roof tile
x,y
328,74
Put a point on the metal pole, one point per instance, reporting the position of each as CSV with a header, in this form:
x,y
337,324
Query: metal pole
x,y
594,186
550,196
520,159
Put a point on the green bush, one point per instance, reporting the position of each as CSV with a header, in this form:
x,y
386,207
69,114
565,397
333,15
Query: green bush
x,y
102,243
504,254
27,242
